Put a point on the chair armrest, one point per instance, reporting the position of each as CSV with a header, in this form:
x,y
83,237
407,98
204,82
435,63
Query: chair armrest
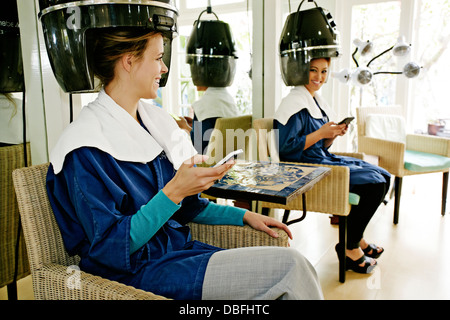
x,y
329,195
357,155
390,154
429,144
80,285
229,237
373,159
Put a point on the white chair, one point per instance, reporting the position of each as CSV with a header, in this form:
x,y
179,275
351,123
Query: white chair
x,y
399,153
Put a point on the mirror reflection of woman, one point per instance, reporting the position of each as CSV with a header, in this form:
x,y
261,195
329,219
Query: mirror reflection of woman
x,y
305,135
123,184
11,120
216,102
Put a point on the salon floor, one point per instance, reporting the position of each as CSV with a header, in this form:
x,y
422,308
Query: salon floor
x,y
415,262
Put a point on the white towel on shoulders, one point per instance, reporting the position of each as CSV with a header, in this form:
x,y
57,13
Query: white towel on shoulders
x,y
298,99
215,103
105,125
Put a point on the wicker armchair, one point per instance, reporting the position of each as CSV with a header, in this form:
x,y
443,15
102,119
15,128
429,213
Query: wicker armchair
x,y
220,144
55,274
419,154
11,158
238,137
331,195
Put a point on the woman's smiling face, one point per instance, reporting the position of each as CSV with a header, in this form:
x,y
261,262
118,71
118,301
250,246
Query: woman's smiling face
x,y
149,68
318,74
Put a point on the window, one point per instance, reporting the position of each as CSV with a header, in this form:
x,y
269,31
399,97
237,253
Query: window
x,y
426,27
432,30
379,23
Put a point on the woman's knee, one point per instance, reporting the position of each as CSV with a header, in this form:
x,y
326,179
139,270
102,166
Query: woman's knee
x,y
301,277
297,261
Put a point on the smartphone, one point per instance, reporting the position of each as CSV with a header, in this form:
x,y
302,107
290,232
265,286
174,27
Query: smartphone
x,y
177,118
347,120
228,157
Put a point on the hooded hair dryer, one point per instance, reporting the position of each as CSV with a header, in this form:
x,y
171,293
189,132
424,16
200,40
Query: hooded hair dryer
x,y
11,66
211,53
67,25
306,35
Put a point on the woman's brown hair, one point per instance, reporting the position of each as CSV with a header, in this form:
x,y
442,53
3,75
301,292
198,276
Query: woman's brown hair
x,y
110,44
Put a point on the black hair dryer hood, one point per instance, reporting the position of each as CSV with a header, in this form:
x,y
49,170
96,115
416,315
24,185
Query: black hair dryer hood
x,y
306,35
211,53
11,66
65,24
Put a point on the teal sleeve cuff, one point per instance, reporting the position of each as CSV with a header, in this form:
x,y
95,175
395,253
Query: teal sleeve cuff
x,y
217,214
149,219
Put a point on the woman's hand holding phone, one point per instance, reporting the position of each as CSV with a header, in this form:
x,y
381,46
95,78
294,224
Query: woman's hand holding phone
x,y
190,180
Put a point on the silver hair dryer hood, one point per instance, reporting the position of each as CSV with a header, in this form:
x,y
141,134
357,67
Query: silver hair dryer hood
x,y
66,26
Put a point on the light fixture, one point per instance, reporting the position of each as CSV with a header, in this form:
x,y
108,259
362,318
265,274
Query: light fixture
x,y
364,47
362,76
211,53
343,75
411,70
401,48
306,35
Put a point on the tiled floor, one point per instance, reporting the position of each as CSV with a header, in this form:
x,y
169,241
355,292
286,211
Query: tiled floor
x,y
414,265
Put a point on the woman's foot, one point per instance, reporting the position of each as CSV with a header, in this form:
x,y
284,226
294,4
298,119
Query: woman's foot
x,y
357,254
371,250
362,265
357,261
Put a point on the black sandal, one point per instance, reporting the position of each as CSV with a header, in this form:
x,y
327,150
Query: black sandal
x,y
355,265
375,254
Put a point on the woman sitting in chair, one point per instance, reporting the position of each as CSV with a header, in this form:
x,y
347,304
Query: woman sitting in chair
x,y
306,133
215,103
123,184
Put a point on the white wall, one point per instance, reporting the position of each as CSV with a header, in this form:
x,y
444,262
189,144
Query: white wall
x,y
47,106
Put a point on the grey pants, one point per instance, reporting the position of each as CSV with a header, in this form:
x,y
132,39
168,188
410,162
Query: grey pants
x,y
260,273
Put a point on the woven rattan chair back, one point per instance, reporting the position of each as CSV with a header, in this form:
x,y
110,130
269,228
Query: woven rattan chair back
x,y
42,235
11,158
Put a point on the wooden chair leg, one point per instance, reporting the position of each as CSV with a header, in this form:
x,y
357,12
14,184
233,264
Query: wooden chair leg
x,y
12,291
341,247
444,192
398,192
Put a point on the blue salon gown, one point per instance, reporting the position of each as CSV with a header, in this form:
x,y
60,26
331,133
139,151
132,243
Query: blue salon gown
x,y
292,137
106,193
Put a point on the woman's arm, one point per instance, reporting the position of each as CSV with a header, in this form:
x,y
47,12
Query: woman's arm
x,y
263,223
329,131
292,138
190,180
219,214
145,223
